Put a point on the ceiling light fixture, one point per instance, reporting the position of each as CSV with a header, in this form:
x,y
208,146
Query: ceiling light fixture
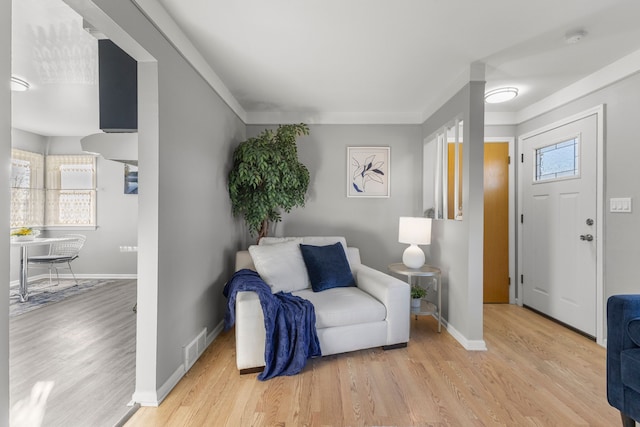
x,y
19,85
502,94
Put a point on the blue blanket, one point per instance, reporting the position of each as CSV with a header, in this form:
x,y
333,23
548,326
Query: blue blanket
x,y
289,321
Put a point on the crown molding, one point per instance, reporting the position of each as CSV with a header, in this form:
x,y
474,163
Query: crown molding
x,y
496,118
333,118
606,76
161,19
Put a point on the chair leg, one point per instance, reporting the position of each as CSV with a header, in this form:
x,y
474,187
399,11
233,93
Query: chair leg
x,y
74,276
627,421
57,275
50,278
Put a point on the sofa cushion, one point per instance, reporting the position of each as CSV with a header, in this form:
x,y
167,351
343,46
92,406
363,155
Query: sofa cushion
x,y
281,266
275,240
343,307
630,368
633,329
327,266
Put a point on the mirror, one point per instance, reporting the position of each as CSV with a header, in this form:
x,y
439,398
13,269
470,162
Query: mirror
x,y
442,173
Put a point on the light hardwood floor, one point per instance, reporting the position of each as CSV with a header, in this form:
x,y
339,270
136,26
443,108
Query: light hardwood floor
x,y
535,373
86,345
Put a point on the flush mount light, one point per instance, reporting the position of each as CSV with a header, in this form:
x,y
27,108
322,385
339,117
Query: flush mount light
x,y
502,94
19,85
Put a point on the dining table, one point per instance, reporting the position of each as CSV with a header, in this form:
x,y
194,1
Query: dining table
x,y
24,245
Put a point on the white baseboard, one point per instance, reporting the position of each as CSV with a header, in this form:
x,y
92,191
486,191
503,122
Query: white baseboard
x,y
155,399
214,334
133,276
471,345
145,398
170,383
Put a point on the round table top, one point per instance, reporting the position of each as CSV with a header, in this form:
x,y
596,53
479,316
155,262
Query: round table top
x,y
425,270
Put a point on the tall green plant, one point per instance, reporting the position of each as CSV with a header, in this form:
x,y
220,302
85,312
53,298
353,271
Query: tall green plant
x,y
267,177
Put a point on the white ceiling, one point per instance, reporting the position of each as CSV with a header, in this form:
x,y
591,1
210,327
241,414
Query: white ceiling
x,y
394,61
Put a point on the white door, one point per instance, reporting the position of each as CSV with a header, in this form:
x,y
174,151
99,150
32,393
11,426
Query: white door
x,y
559,223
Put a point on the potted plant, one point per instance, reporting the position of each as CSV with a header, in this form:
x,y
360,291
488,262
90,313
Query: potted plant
x,y
417,293
267,177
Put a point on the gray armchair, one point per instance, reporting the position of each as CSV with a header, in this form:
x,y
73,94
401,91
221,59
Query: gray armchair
x,y
623,356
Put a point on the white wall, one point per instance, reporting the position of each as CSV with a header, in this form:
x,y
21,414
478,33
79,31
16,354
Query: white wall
x,y
5,159
370,224
117,213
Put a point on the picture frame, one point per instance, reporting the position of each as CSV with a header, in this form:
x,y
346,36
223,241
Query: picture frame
x,y
368,172
130,179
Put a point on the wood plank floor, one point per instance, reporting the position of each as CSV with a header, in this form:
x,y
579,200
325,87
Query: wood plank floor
x,y
86,345
535,373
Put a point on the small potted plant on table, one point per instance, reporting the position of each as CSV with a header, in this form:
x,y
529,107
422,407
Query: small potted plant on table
x,y
417,293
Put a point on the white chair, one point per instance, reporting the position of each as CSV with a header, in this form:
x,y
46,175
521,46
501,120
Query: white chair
x,y
60,253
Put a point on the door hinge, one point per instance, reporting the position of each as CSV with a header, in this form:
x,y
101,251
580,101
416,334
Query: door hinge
x,y
521,218
522,158
522,279
509,280
508,160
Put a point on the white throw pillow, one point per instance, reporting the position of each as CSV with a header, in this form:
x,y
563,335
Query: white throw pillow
x,y
281,266
276,240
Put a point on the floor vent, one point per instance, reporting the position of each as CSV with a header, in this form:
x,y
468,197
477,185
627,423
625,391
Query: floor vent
x,y
194,349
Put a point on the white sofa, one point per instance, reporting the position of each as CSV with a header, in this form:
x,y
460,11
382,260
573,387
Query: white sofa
x,y
376,312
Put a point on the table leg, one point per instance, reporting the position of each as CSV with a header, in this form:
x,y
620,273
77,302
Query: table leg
x,y
23,292
410,284
439,285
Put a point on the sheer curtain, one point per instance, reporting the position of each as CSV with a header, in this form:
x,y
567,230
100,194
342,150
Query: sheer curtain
x,y
71,190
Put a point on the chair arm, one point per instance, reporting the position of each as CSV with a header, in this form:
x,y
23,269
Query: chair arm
x,y
621,309
394,294
250,331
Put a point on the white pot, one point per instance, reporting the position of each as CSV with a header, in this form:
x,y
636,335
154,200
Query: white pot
x,y
415,302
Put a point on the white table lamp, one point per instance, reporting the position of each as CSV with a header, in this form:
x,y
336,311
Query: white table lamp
x,y
414,231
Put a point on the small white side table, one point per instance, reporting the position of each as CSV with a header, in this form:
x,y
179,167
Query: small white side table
x,y
426,308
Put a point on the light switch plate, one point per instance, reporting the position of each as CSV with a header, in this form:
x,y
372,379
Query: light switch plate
x,y
620,204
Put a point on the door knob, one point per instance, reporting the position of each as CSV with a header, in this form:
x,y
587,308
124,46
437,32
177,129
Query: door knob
x,y
587,237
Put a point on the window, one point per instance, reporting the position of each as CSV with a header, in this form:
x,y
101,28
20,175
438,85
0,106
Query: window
x,y
560,160
63,196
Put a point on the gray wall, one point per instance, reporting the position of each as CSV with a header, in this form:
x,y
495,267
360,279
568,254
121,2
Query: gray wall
x,y
457,246
5,159
117,214
370,224
197,237
621,176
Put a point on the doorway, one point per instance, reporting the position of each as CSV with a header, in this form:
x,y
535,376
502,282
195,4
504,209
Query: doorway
x,y
146,232
499,214
496,280
561,206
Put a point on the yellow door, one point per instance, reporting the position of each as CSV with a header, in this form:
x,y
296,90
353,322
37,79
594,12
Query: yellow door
x,y
496,222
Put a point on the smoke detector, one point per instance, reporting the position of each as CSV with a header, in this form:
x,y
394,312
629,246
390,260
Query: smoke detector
x,y
573,37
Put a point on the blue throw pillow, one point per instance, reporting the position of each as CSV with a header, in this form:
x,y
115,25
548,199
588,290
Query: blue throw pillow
x,y
327,266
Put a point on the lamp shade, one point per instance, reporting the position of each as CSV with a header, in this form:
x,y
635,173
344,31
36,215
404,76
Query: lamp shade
x,y
414,230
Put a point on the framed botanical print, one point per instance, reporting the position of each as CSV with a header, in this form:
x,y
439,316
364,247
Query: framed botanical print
x,y
368,171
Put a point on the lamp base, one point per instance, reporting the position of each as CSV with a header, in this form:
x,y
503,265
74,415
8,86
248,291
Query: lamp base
x,y
413,257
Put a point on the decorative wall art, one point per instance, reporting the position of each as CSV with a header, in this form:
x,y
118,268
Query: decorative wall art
x,y
130,179
368,171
